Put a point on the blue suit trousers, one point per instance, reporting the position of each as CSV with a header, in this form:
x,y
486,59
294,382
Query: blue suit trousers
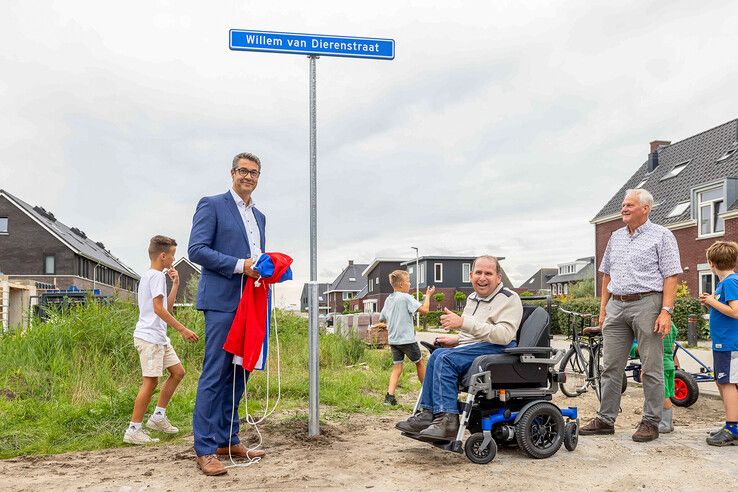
x,y
216,393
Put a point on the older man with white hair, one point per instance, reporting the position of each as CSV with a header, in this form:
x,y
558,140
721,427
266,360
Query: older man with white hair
x,y
640,267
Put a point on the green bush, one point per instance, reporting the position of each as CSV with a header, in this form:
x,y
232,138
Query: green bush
x,y
432,319
683,307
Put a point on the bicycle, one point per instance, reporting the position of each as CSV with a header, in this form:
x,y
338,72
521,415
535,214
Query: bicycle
x,y
582,363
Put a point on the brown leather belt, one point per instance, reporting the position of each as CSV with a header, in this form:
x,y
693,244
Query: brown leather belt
x,y
634,297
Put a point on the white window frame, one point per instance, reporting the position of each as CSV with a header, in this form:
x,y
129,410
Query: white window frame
x,y
410,269
46,265
566,289
371,285
437,278
466,273
705,273
711,204
672,174
678,209
347,296
422,273
4,229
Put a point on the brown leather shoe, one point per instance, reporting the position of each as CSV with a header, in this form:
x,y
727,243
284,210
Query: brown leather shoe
x,y
241,451
211,465
646,432
597,427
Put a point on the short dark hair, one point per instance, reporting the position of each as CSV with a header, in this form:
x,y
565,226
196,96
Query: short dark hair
x,y
245,155
159,245
488,258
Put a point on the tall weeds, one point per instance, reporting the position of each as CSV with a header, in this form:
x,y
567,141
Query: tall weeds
x,y
69,383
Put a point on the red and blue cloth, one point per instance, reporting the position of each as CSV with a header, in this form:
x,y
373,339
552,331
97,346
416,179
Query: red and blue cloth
x,y
248,338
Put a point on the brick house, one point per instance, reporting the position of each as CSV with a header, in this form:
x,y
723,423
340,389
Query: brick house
x,y
694,183
570,273
187,271
346,286
538,282
35,246
378,287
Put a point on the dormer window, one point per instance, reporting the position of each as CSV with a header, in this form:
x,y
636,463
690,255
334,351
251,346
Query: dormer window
x,y
352,279
640,185
3,225
710,204
675,170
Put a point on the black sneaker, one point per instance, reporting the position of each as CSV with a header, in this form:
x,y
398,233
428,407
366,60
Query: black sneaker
x,y
390,400
722,438
416,423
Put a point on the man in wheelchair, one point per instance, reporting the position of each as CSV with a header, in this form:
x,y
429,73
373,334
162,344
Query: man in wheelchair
x,y
488,325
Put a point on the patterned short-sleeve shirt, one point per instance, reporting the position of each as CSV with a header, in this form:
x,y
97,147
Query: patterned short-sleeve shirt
x,y
641,262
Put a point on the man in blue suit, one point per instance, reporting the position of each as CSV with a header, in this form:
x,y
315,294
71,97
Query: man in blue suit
x,y
228,235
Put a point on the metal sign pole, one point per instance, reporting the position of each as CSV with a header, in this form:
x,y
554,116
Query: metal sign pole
x,y
313,356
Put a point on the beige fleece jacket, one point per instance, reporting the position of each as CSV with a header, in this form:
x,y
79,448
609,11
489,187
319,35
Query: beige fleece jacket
x,y
494,319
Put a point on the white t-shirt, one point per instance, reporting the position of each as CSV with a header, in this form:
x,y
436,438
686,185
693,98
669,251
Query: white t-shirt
x,y
151,327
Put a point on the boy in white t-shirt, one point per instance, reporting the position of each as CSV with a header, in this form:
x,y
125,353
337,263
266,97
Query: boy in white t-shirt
x,y
153,345
398,311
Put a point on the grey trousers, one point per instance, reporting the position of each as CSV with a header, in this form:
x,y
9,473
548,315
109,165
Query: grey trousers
x,y
623,322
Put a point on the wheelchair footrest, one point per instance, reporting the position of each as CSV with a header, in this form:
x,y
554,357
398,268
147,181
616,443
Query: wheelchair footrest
x,y
454,446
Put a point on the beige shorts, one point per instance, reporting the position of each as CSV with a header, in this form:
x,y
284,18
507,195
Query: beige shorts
x,y
154,358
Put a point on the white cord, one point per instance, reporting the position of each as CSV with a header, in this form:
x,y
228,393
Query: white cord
x,y
267,412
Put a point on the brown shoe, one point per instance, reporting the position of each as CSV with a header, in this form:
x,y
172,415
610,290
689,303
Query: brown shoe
x,y
596,427
646,432
211,465
241,451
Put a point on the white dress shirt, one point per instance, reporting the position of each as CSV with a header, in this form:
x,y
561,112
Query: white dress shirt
x,y
252,229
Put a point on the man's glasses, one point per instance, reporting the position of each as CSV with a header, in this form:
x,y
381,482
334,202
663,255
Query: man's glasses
x,y
242,171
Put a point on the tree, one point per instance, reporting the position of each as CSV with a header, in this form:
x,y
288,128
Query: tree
x,y
682,290
439,297
459,297
583,288
346,307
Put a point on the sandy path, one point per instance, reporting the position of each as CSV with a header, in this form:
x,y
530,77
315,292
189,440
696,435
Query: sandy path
x,y
367,453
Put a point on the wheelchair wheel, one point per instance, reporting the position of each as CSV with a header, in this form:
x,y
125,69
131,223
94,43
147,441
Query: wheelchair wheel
x,y
571,436
625,383
540,430
576,369
686,390
473,450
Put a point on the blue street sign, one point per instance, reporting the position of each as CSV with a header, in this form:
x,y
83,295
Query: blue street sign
x,y
312,44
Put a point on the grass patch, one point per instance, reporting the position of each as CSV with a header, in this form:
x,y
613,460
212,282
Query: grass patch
x,y
68,384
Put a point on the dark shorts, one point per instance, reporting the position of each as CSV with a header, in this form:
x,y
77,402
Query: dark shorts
x,y
726,367
412,350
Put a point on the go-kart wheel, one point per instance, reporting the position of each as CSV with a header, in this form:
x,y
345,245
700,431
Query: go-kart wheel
x,y
473,450
540,430
686,390
571,435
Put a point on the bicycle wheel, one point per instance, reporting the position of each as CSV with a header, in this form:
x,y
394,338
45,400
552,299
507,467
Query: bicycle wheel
x,y
576,370
596,365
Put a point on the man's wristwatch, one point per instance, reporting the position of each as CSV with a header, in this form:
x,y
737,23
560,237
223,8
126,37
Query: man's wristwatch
x,y
668,309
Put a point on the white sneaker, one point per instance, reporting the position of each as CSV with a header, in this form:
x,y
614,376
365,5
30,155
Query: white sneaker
x,y
162,425
138,437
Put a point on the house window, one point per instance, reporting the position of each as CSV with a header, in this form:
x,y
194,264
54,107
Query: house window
x,y
410,270
422,273
371,285
465,272
728,153
640,185
347,296
710,204
49,265
376,282
3,225
438,272
675,170
566,289
707,283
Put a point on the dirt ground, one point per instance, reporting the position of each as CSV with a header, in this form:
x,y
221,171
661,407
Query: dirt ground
x,y
368,453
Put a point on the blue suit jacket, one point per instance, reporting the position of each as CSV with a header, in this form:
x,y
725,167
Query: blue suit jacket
x,y
217,241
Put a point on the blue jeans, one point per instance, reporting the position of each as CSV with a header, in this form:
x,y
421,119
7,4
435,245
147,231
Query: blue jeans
x,y
211,419
445,367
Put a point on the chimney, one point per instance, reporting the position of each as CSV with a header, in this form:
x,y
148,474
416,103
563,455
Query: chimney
x,y
653,156
657,144
351,262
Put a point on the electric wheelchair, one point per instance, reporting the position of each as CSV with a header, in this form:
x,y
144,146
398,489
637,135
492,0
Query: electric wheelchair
x,y
509,397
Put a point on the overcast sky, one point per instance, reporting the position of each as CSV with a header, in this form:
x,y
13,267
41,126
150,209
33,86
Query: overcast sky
x,y
499,128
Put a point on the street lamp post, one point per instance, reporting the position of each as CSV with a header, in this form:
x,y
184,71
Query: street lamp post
x,y
417,283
